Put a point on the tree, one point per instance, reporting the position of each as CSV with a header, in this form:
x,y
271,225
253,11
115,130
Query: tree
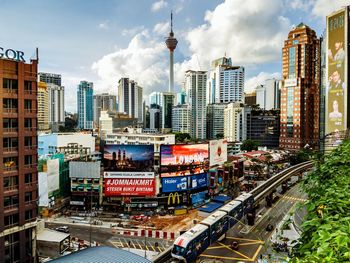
x,y
182,137
249,145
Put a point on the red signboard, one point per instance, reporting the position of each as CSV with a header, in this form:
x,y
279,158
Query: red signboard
x,y
129,186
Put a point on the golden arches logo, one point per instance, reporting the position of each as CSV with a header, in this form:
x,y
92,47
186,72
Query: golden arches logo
x,y
173,197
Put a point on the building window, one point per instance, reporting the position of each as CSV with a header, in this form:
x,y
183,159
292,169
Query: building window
x,y
28,178
290,108
292,62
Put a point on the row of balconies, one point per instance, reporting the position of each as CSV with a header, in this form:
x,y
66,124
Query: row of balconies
x,y
15,91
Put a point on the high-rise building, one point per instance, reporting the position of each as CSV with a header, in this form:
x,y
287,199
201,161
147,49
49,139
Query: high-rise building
x,y
225,82
167,101
155,117
181,118
181,98
236,115
85,94
103,102
50,78
300,90
195,86
171,43
268,95
130,98
56,106
215,120
18,153
250,98
43,107
154,98
337,74
263,127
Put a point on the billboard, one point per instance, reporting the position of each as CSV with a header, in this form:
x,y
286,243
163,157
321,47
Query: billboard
x,y
180,160
183,183
128,158
218,152
129,186
174,184
336,92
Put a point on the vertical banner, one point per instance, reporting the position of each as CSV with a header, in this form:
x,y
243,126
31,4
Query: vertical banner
x,y
336,93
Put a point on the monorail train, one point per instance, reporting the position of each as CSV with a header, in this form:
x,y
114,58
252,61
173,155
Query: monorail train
x,y
193,242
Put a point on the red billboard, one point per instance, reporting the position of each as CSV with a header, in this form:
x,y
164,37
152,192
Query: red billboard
x,y
180,160
129,187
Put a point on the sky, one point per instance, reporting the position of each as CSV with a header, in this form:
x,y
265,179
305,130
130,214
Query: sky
x,y
102,41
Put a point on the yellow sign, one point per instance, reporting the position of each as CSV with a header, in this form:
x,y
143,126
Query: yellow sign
x,y
173,197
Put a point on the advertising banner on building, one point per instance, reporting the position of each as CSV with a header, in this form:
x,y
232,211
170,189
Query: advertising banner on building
x,y
174,184
198,181
128,174
336,92
218,152
180,160
129,187
131,158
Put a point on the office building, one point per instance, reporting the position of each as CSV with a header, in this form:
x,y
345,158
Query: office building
x,y
130,99
225,82
56,106
43,107
195,86
300,90
235,121
85,94
103,102
18,152
181,98
250,98
263,127
50,78
215,120
181,119
167,101
268,95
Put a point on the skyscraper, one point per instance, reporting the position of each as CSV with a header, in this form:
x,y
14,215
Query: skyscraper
x,y
225,82
85,94
43,107
50,78
165,101
18,153
56,106
103,102
171,43
300,90
268,95
181,119
236,117
130,98
215,120
195,86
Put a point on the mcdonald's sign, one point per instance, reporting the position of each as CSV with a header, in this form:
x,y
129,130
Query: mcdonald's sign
x,y
172,197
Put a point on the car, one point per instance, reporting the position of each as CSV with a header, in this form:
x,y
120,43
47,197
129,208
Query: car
x,y
269,228
64,229
139,217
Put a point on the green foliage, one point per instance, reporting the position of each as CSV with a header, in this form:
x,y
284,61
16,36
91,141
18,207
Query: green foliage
x,y
249,145
326,231
301,156
182,137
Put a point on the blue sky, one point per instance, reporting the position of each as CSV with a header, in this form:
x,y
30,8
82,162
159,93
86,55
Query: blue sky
x,y
102,41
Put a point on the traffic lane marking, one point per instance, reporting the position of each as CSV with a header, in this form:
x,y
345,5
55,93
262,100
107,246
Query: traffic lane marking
x,y
222,257
251,243
235,251
215,247
256,253
245,239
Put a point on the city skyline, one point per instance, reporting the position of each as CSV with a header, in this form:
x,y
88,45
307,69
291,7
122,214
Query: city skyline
x,y
92,49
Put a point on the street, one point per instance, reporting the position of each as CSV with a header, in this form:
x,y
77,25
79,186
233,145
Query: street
x,y
254,240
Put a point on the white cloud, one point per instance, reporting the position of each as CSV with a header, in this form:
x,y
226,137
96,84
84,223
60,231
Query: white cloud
x,y
103,25
132,31
251,83
322,8
162,28
144,60
300,4
156,6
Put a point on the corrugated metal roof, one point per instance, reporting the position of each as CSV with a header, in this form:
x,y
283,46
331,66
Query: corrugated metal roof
x,y
102,255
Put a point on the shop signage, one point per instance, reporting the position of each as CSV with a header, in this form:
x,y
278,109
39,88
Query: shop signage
x,y
12,54
174,198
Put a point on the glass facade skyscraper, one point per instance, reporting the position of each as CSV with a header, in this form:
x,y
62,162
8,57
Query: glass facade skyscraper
x,y
85,95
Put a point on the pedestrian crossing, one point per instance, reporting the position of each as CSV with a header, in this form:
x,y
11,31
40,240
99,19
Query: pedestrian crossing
x,y
154,246
294,199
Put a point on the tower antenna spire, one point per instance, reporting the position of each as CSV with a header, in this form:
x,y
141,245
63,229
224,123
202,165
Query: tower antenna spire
x,y
171,21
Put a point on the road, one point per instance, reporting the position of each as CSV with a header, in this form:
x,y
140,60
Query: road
x,y
256,241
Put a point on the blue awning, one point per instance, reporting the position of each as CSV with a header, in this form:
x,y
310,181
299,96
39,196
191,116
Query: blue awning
x,y
221,199
210,207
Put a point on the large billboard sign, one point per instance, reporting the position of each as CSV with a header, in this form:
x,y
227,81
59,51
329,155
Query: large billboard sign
x,y
128,158
180,160
218,152
336,93
183,183
128,186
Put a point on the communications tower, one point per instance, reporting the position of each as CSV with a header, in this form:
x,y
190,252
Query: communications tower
x,y
171,43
